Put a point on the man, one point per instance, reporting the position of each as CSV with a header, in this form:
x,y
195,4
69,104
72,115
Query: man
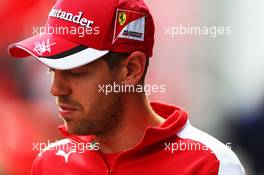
x,y
122,132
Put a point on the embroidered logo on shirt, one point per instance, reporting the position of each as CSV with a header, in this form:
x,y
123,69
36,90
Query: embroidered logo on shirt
x,y
65,155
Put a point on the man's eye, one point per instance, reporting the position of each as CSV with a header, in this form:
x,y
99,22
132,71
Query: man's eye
x,y
77,74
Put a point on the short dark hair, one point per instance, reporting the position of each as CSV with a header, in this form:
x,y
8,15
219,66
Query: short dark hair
x,y
114,59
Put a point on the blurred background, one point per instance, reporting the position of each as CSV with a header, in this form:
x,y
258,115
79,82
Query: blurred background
x,y
218,80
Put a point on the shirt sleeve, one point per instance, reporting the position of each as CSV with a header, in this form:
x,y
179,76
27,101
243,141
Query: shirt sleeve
x,y
229,167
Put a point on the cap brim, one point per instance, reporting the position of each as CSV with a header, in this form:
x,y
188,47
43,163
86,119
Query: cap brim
x,y
55,52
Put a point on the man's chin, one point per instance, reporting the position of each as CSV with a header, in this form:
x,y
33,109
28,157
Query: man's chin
x,y
72,128
69,124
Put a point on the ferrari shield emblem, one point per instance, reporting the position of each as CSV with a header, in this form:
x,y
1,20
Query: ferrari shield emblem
x,y
122,18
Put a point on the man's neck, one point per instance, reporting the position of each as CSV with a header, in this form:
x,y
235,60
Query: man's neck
x,y
136,117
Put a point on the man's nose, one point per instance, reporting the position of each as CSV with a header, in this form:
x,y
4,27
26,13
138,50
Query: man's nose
x,y
59,85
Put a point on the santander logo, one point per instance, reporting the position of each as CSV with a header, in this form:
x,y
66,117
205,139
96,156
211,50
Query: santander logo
x,y
67,16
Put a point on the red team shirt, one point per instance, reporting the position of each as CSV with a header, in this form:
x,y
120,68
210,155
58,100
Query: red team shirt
x,y
174,148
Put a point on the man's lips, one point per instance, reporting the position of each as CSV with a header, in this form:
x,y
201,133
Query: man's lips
x,y
66,110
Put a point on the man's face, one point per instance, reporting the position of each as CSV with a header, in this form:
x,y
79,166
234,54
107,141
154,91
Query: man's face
x,y
84,109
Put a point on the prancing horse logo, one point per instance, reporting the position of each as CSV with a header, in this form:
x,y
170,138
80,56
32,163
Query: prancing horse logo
x,y
122,18
63,154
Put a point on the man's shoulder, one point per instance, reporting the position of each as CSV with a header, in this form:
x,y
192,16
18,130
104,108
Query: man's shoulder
x,y
227,159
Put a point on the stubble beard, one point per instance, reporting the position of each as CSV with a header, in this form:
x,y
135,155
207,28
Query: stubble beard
x,y
103,119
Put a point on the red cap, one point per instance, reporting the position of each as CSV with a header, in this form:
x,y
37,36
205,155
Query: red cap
x,y
82,31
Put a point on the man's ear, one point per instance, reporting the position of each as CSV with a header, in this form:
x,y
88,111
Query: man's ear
x,y
133,68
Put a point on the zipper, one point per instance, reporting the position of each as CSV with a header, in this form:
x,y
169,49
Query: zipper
x,y
109,169
107,166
